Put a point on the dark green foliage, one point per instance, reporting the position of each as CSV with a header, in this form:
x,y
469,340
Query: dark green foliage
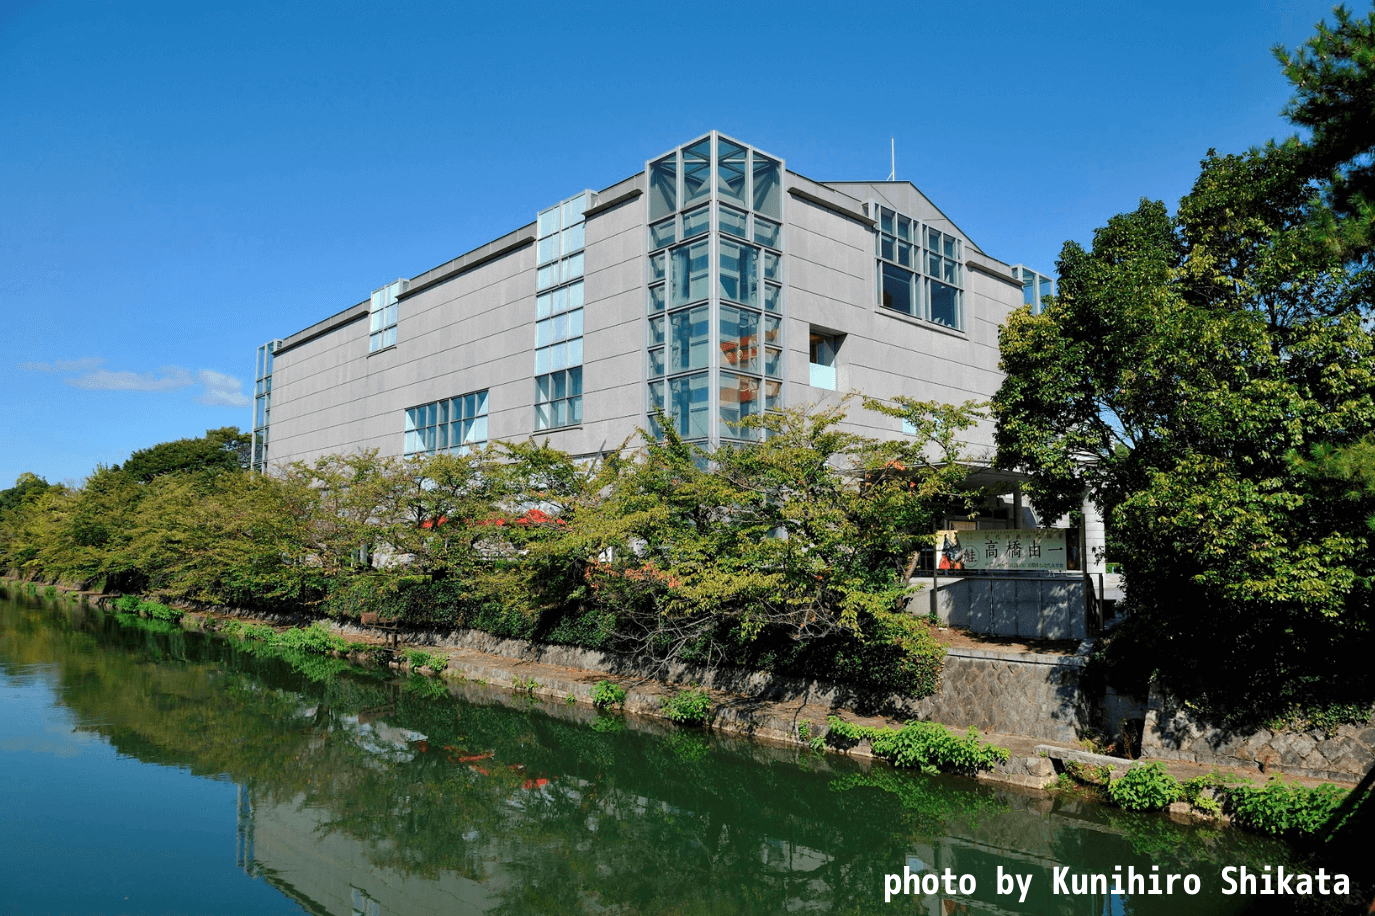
x,y
926,746
1192,357
219,449
1216,368
1145,787
687,707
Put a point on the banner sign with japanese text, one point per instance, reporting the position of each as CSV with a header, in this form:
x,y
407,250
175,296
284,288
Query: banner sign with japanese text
x,y
1015,548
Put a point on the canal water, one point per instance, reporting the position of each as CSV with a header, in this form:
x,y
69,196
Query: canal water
x,y
152,770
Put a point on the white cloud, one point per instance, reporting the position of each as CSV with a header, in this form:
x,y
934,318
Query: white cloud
x,y
221,390
173,378
217,389
84,364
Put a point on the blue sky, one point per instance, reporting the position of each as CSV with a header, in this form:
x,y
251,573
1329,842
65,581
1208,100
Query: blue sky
x,y
180,182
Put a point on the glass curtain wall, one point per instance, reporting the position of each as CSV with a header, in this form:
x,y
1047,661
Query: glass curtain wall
x,y
559,314
920,270
262,404
714,289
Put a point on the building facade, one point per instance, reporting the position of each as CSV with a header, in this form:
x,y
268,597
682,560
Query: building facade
x,y
712,285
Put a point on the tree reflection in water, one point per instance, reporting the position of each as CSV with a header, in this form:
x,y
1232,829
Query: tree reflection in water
x,y
364,793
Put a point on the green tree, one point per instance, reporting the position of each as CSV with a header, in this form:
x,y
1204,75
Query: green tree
x,y
225,448
1184,363
26,488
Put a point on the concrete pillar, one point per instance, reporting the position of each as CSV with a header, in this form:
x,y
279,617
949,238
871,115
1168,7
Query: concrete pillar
x,y
1094,539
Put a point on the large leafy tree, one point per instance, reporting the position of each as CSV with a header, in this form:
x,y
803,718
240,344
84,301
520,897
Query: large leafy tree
x,y
1187,363
225,448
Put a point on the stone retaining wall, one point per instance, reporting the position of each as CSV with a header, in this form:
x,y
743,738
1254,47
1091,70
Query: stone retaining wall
x,y
1011,693
1174,733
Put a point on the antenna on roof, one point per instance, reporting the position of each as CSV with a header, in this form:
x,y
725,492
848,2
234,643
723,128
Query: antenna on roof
x,y
893,158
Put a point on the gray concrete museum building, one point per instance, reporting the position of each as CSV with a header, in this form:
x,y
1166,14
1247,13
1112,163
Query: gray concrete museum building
x,y
713,283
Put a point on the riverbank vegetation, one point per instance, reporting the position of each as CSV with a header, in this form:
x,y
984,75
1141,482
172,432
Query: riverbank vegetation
x,y
925,746
788,556
1294,812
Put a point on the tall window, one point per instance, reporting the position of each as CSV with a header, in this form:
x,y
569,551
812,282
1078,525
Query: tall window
x,y
262,404
559,315
451,425
919,270
384,311
714,288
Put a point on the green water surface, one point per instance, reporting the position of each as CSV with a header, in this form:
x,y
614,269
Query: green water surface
x,y
152,770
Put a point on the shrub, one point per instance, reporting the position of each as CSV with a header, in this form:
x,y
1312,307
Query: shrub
x,y
133,604
1205,793
1284,810
923,745
419,658
239,629
1148,787
814,742
160,611
315,638
608,693
687,707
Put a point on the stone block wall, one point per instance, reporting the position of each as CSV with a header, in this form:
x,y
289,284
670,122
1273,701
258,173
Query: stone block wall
x,y
1174,733
1010,693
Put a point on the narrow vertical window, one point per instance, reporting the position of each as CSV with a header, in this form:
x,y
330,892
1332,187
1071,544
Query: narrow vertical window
x,y
731,172
697,172
559,316
663,187
768,187
383,309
